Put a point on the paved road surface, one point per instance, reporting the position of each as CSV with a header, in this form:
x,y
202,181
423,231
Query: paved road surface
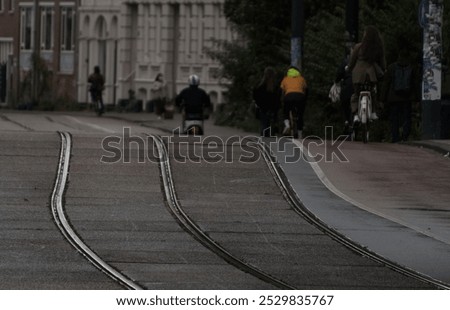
x,y
118,209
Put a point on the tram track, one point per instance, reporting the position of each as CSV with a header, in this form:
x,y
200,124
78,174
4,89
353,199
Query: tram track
x,y
169,192
295,203
189,225
59,216
63,222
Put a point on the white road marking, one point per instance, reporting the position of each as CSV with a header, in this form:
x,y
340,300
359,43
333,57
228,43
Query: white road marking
x,y
94,126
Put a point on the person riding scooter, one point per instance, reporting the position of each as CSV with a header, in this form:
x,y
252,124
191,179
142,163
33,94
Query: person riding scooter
x,y
192,101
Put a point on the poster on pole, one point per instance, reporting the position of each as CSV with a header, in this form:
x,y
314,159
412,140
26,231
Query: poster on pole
x,y
431,16
296,52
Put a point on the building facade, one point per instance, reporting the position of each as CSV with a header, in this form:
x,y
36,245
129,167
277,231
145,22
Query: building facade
x,y
8,28
46,30
133,41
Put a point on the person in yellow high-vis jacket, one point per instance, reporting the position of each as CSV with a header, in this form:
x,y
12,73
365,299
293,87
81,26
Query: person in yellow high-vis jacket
x,y
295,91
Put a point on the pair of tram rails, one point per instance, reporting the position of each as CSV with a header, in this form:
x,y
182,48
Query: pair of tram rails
x,y
189,225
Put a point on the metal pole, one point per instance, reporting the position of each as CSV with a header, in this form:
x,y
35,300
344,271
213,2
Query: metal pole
x,y
431,16
35,54
298,30
352,20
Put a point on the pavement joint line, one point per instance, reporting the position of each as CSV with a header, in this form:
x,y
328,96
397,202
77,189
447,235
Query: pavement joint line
x,y
91,125
6,118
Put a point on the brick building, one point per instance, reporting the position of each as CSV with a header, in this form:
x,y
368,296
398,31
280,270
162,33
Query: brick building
x,y
7,33
46,29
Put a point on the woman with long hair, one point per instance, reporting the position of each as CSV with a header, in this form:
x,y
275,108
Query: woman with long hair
x,y
367,64
267,98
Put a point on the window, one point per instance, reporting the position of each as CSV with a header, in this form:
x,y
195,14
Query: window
x,y
68,29
46,28
1,5
11,5
26,24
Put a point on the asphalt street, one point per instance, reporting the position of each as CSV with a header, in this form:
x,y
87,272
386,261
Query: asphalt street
x,y
118,208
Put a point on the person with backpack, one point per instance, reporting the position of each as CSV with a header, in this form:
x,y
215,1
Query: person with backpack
x,y
294,92
400,89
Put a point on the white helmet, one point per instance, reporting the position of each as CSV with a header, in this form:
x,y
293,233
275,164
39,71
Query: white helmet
x,y
194,80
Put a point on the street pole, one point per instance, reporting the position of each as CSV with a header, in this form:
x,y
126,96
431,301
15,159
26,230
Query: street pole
x,y
35,53
431,17
352,21
298,30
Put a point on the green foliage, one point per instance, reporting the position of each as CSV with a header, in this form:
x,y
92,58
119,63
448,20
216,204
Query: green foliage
x,y
41,76
398,24
324,51
264,27
264,30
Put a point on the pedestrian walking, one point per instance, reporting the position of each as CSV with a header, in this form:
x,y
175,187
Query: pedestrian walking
x,y
344,79
445,100
400,90
267,99
159,94
97,85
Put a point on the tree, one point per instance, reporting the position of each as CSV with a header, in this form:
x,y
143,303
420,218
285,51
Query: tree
x,y
264,29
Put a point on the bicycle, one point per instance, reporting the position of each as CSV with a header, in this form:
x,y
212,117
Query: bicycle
x,y
296,108
364,113
293,117
97,100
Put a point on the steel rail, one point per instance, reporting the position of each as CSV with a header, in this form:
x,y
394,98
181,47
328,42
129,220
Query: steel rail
x,y
189,225
63,224
292,198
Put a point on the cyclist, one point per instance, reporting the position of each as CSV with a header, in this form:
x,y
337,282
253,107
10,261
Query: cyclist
x,y
97,82
294,92
367,65
193,99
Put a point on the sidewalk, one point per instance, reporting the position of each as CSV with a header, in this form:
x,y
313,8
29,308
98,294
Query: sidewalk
x,y
440,146
169,125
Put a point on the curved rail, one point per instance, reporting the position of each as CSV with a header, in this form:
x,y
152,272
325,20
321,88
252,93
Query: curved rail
x,y
298,206
195,230
63,224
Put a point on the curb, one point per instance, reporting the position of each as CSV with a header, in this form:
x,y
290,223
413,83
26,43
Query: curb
x,y
445,151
